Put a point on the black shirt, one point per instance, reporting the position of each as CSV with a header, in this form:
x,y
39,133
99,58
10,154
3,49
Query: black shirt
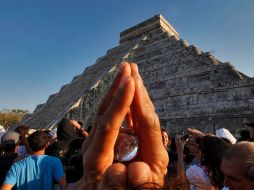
x,y
70,154
6,162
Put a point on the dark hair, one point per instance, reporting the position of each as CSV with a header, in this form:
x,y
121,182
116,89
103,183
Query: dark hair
x,y
65,131
166,131
38,140
9,147
22,130
212,149
172,151
47,132
169,139
226,140
80,123
244,135
89,128
197,140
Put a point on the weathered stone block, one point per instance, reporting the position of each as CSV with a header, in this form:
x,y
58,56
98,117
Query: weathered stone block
x,y
189,88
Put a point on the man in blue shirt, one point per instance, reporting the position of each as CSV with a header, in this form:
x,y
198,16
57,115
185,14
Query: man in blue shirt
x,y
37,171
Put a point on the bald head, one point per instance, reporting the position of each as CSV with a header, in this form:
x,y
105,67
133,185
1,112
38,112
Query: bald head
x,y
240,151
243,153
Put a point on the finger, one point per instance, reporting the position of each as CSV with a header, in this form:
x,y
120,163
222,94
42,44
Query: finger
x,y
138,81
141,94
124,71
99,152
110,122
128,120
152,149
139,173
144,110
114,178
178,140
74,123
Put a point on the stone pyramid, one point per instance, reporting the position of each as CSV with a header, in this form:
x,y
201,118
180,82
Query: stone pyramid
x,y
189,88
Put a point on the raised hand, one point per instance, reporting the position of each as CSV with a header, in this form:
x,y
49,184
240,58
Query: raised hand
x,y
126,97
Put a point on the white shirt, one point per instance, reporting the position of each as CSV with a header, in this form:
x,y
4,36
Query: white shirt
x,y
196,177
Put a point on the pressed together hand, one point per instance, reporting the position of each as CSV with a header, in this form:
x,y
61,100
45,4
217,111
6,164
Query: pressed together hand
x,y
127,96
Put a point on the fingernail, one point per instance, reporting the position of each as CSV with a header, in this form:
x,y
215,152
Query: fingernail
x,y
121,66
136,67
124,82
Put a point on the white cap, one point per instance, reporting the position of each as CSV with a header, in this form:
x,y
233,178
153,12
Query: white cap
x,y
2,129
224,133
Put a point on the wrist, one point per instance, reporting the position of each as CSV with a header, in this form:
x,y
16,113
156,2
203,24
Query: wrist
x,y
180,154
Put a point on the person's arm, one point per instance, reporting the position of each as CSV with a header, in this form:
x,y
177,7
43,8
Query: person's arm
x,y
6,187
58,172
195,133
180,163
83,132
62,183
76,125
11,177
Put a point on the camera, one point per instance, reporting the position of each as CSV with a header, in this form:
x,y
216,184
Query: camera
x,y
185,137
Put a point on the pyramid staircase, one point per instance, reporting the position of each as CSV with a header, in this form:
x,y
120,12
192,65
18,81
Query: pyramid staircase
x,y
188,87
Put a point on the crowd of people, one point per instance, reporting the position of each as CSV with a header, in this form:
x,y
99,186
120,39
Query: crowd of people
x,y
70,157
42,158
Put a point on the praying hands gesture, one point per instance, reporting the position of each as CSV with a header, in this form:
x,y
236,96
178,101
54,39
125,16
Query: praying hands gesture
x,y
127,94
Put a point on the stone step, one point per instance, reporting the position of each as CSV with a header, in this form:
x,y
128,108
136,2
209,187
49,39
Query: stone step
x,y
38,107
73,79
51,97
71,93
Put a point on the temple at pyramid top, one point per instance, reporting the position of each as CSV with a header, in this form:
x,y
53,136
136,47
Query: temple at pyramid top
x,y
189,88
146,26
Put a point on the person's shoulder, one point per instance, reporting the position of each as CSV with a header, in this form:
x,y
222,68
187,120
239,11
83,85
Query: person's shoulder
x,y
51,158
195,170
194,167
20,162
56,147
53,162
20,157
59,145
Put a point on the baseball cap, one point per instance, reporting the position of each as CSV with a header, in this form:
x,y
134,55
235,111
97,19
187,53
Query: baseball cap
x,y
10,137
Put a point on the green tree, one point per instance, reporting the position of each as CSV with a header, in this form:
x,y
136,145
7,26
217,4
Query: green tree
x,y
9,118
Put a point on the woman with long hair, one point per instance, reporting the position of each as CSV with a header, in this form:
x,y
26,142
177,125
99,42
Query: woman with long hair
x,y
212,149
207,174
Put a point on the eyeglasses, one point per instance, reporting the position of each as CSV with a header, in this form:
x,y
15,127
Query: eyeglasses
x,y
191,143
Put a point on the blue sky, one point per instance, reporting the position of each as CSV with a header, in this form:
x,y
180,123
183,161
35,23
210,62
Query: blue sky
x,y
45,43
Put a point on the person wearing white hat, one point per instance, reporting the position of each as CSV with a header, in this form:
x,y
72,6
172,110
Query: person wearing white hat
x,y
224,133
2,131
